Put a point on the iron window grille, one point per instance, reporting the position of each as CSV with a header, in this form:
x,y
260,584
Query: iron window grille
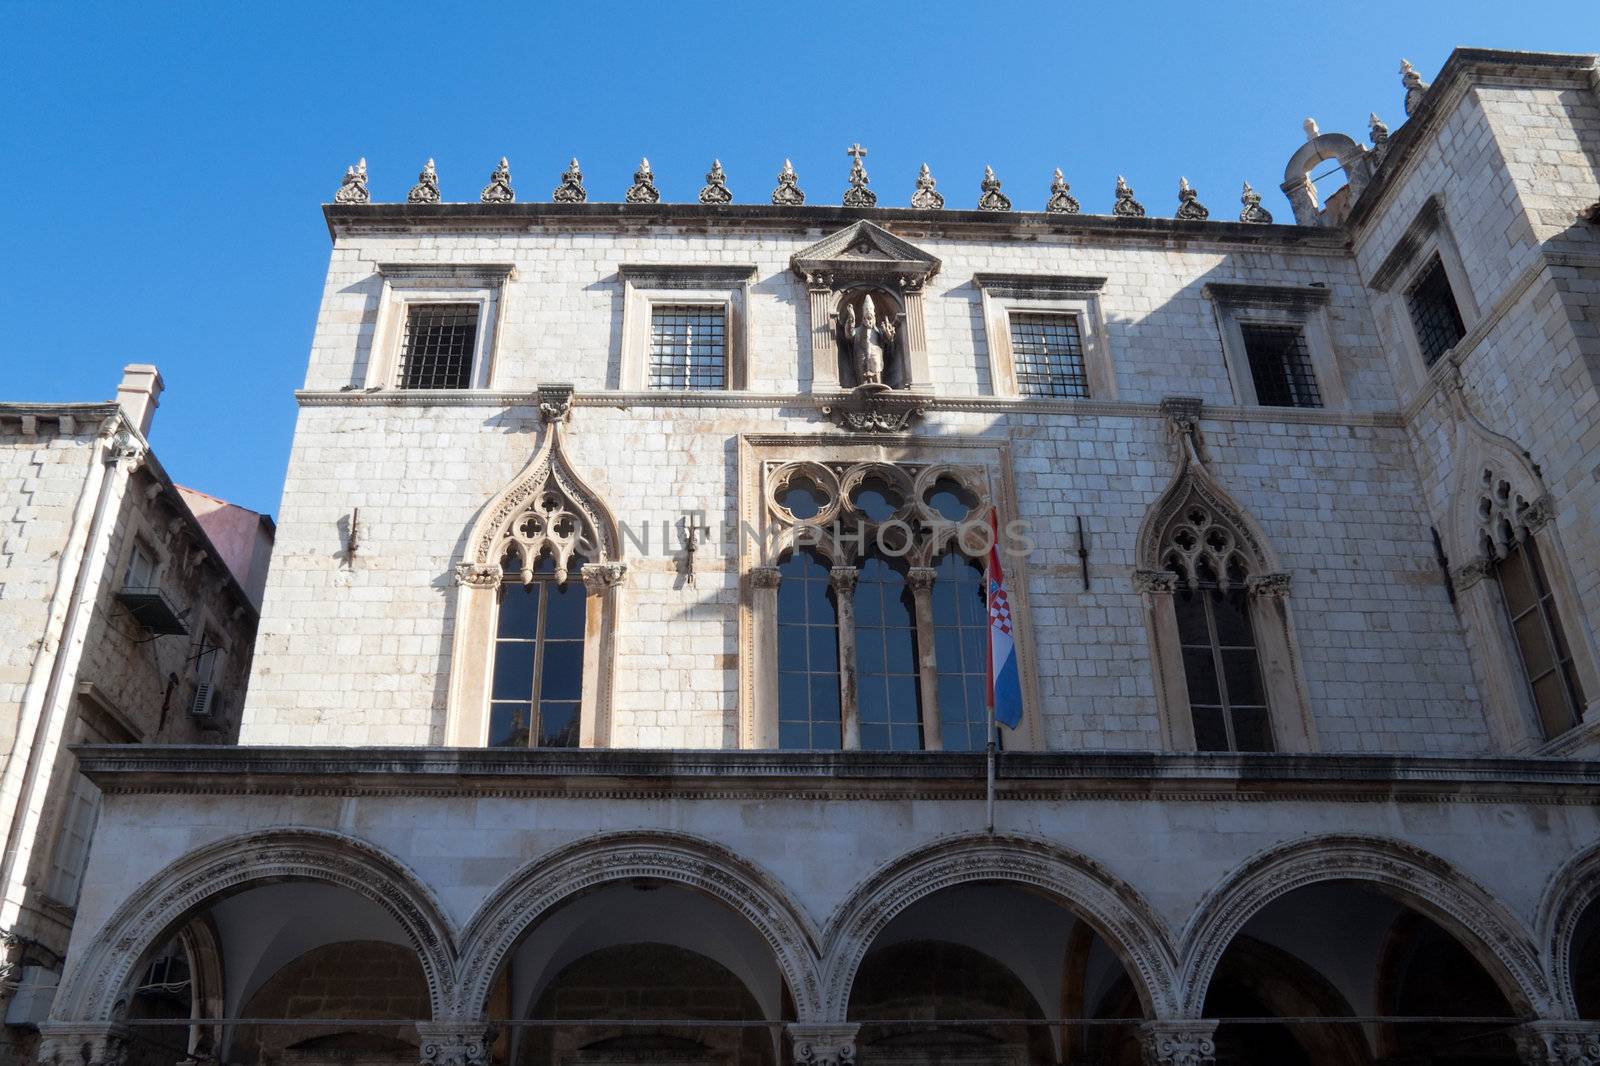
x,y
1280,366
1434,313
439,345
1047,352
688,347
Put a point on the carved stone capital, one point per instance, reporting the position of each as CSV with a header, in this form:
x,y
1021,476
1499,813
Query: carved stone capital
x,y
457,1043
765,577
842,579
477,577
1183,420
1538,514
1470,573
598,577
823,1045
82,1044
1274,585
1156,582
1558,1043
1179,1043
555,402
921,578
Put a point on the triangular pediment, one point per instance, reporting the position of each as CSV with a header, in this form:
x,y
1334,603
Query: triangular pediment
x,y
865,247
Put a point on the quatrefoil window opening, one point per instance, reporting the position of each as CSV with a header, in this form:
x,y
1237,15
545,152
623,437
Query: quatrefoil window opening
x,y
1202,551
547,530
1501,511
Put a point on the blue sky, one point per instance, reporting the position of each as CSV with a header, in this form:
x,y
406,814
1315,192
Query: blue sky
x,y
164,163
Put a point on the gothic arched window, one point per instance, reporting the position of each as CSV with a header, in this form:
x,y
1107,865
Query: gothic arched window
x,y
889,686
1221,667
808,655
961,634
537,693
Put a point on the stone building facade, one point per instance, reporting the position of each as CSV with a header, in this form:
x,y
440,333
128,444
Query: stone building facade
x,y
620,687
124,625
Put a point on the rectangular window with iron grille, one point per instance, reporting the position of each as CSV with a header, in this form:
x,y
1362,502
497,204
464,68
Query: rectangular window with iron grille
x,y
440,342
688,347
1047,351
1280,366
1434,313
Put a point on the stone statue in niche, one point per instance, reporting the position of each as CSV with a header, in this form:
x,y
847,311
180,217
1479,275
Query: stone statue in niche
x,y
869,345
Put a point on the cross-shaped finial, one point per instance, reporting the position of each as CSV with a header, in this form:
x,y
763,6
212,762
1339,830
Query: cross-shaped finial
x,y
855,151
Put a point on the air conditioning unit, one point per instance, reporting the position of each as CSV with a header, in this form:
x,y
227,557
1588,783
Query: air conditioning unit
x,y
207,708
30,1003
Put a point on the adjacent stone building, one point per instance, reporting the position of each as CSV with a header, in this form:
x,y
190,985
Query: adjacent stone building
x,y
123,624
620,692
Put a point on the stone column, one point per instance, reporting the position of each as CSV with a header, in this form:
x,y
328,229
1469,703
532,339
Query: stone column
x,y
824,349
455,1042
842,579
762,731
1157,588
1558,1043
601,582
831,1044
1303,199
1191,1042
919,375
1493,647
920,578
82,1044
1288,705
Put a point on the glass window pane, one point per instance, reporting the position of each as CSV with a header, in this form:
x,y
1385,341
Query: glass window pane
x,y
905,737
1550,697
824,649
1191,613
873,698
1252,730
513,671
558,725
519,611
825,736
508,724
825,698
1209,732
1201,674
1516,584
564,610
903,700
874,737
1232,617
1243,676
563,671
794,735
792,652
1535,649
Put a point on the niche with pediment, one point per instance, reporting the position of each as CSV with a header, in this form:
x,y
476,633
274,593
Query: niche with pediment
x,y
867,324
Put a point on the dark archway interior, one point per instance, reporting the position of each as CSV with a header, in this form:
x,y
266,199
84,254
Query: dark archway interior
x,y
1584,963
1345,950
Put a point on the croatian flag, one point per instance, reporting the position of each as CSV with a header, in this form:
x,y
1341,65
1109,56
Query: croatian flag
x,y
1005,689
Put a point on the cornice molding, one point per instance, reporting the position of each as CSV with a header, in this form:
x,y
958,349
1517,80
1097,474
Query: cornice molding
x,y
815,401
1241,295
686,275
479,273
674,774
1039,286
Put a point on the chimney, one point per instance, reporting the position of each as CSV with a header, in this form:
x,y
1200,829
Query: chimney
x,y
139,393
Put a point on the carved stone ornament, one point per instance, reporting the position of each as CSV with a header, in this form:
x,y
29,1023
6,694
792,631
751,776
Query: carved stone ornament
x,y
426,190
1189,205
571,190
1273,585
1566,1043
1379,131
876,409
1508,508
1126,206
716,190
926,198
823,1045
788,193
1178,1043
597,577
555,403
1061,201
1415,87
991,198
455,1043
765,577
643,190
477,577
499,190
1253,212
1471,572
547,510
871,341
858,195
1156,582
66,1044
353,188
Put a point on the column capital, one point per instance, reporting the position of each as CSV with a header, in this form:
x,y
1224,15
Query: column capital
x,y
1568,1043
1157,582
82,1044
1186,1042
765,577
832,1044
597,577
1470,573
455,1042
921,578
842,579
1274,585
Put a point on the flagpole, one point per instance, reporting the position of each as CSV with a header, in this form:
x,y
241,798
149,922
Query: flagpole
x,y
989,758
